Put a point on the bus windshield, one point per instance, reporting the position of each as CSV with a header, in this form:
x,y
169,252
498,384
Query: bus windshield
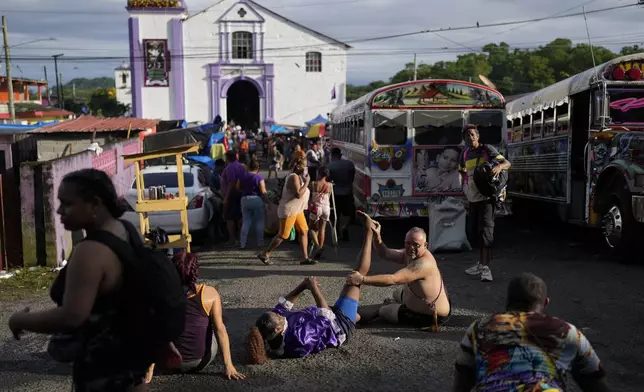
x,y
490,125
626,106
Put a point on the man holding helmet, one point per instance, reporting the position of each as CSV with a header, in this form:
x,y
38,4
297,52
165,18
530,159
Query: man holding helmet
x,y
482,206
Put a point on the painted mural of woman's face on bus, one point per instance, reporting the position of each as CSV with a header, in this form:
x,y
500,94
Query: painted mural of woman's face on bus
x,y
448,159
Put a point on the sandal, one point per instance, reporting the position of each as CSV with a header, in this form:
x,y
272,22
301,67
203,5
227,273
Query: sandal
x,y
264,259
308,261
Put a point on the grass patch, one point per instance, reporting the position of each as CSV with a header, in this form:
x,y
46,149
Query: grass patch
x,y
27,283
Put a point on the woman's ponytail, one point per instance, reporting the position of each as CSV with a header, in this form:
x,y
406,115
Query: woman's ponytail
x,y
255,348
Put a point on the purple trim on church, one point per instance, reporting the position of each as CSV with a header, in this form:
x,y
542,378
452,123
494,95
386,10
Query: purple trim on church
x,y
177,84
136,64
264,85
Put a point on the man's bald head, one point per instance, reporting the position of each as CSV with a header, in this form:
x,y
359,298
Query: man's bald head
x,y
417,232
416,243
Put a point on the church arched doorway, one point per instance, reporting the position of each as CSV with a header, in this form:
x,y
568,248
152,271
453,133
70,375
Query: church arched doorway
x,y
242,105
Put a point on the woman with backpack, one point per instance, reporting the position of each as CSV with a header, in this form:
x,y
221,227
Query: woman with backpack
x,y
91,294
197,347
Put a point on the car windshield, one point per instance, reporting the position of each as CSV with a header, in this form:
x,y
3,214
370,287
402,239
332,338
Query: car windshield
x,y
167,179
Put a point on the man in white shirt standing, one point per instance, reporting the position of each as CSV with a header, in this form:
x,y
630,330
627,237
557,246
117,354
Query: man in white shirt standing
x,y
314,158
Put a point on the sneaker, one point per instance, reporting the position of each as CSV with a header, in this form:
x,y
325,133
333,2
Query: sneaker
x,y
486,274
474,270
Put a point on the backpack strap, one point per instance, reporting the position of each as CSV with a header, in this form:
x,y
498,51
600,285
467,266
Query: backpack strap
x,y
125,251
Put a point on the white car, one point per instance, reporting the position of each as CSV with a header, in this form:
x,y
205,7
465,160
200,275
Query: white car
x,y
200,208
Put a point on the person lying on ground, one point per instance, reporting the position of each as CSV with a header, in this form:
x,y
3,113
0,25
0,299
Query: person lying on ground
x,y
197,347
285,332
523,349
422,301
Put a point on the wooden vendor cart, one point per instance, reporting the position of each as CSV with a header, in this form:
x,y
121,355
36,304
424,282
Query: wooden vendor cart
x,y
179,203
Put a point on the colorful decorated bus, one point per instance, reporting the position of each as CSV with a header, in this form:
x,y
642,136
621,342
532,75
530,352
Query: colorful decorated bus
x,y
578,146
405,140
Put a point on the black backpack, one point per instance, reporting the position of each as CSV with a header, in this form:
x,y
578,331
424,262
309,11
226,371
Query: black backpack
x,y
154,309
486,182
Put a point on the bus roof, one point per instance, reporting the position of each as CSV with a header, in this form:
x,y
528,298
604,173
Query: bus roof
x,y
428,93
558,93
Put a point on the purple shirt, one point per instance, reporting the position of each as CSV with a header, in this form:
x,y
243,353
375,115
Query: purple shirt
x,y
250,184
233,172
308,331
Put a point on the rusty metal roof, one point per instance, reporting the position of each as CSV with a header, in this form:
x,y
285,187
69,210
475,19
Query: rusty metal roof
x,y
91,124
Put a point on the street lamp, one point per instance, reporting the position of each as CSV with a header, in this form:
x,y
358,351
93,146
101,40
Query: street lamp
x,y
31,42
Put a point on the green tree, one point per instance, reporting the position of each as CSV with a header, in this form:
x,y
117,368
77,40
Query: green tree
x,y
103,103
626,50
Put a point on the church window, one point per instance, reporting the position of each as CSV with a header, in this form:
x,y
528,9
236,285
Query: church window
x,y
313,62
242,45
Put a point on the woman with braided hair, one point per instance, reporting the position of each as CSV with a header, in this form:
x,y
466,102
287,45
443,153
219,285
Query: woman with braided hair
x,y
196,345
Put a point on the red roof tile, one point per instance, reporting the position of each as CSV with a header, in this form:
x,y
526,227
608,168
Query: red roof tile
x,y
91,124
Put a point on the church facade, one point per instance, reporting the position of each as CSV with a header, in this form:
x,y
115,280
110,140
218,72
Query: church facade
x,y
236,59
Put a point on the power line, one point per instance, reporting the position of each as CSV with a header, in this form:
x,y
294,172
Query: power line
x,y
380,38
192,52
529,23
208,55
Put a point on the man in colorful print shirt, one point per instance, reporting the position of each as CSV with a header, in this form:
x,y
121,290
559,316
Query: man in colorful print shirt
x,y
525,350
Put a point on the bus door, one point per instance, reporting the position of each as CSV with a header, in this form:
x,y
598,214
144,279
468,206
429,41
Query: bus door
x,y
579,147
390,155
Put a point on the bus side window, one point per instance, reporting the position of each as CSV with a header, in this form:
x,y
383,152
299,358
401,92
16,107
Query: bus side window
x,y
549,122
361,132
536,130
527,125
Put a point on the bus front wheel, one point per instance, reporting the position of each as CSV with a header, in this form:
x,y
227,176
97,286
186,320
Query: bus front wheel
x,y
620,229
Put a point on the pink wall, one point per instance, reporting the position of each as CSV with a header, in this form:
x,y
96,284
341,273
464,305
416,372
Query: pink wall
x,y
59,241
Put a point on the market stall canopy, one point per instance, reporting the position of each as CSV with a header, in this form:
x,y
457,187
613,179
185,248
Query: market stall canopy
x,y
278,129
316,131
318,120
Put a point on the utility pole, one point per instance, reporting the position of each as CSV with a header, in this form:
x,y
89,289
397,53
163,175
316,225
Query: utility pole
x,y
415,68
48,88
7,59
58,89
62,93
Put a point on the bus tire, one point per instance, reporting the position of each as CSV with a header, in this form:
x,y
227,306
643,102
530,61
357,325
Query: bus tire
x,y
622,233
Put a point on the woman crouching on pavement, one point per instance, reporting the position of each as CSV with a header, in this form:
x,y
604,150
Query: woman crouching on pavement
x,y
288,333
196,347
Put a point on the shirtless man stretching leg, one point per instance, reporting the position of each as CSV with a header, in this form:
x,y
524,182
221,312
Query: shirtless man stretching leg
x,y
422,301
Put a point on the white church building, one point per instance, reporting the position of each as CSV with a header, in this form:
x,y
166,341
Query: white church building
x,y
236,59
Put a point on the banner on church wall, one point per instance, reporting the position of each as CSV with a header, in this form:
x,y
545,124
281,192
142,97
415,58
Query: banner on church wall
x,y
156,63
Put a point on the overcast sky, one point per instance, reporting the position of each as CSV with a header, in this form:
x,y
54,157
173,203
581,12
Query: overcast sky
x,y
98,28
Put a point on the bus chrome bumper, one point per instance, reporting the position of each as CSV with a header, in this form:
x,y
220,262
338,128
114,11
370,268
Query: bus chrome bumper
x,y
638,208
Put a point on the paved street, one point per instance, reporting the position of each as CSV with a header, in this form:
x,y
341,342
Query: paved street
x,y
604,298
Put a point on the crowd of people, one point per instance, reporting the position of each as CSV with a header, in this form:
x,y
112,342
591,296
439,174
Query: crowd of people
x,y
520,348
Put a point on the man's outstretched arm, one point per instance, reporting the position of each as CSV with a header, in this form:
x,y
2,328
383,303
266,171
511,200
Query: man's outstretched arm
x,y
406,275
394,255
